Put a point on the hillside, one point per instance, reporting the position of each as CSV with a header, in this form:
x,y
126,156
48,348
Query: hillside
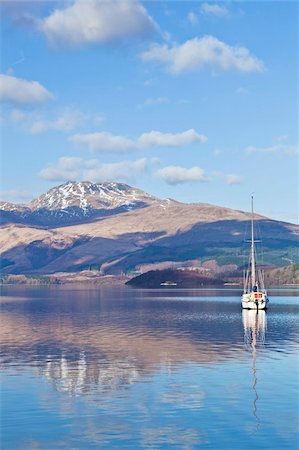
x,y
283,276
115,228
182,278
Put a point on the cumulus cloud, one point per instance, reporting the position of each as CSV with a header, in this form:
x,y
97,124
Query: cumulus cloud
x,y
158,139
214,9
124,170
97,22
233,179
104,142
22,92
67,168
107,142
177,175
206,51
279,148
72,168
66,120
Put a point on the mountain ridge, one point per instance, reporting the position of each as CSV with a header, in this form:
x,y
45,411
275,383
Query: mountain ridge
x,y
126,230
87,196
72,202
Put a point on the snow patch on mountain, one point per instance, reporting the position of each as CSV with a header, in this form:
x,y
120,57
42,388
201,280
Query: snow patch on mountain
x,y
86,196
76,201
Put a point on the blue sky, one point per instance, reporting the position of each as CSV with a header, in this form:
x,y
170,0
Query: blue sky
x,y
195,101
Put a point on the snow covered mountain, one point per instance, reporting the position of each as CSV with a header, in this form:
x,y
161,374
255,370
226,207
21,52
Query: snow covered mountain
x,y
87,195
73,202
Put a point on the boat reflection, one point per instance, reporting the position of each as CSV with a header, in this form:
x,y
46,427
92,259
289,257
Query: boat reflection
x,y
255,326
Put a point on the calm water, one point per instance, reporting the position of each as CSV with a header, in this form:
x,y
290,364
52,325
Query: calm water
x,y
124,368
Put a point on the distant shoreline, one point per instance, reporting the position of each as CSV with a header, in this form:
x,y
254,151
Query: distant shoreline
x,y
93,278
57,279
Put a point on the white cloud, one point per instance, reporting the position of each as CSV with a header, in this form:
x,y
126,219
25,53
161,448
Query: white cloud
x,y
124,170
94,21
278,149
104,142
67,168
67,120
229,178
192,17
178,175
72,168
158,139
214,9
206,51
233,179
107,142
64,120
22,92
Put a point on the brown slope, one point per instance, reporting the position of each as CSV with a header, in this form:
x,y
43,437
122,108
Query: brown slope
x,y
116,238
121,235
166,217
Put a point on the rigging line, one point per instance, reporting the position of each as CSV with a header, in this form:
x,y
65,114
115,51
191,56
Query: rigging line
x,y
244,240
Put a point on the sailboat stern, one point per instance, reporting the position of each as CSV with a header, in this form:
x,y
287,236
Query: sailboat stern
x,y
254,300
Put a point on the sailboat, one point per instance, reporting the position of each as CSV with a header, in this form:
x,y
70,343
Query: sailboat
x,y
254,294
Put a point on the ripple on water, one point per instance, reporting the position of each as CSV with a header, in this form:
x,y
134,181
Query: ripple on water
x,y
134,369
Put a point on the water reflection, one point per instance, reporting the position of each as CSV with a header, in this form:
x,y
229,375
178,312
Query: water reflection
x,y
135,369
255,327
77,359
82,341
255,324
80,376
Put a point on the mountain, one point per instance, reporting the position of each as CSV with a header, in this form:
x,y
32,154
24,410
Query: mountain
x,y
117,228
73,202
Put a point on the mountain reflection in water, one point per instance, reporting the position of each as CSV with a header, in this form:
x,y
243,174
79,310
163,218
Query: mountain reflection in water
x,y
114,347
80,342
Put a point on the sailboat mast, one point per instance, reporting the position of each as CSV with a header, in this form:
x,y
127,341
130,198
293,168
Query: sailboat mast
x,y
252,247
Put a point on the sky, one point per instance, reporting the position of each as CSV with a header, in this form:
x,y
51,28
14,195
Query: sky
x,y
195,101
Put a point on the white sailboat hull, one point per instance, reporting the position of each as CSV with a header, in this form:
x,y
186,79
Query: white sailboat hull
x,y
253,305
255,300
